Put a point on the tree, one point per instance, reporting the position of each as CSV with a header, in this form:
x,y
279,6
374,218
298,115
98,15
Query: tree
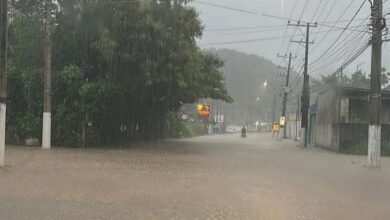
x,y
385,79
118,69
360,79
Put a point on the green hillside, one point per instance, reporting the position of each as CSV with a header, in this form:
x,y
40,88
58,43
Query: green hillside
x,y
245,75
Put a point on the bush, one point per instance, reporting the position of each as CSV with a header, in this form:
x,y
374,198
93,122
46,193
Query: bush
x,y
177,128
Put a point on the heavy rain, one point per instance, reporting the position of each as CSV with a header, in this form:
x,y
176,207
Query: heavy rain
x,y
194,109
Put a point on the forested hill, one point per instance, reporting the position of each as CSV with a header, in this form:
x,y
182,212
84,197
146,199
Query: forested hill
x,y
245,75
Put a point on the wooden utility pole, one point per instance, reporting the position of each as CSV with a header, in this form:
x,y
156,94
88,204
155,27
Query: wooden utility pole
x,y
3,75
285,93
374,134
48,26
306,86
297,117
273,110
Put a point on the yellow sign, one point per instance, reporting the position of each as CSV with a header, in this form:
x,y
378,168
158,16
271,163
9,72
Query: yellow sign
x,y
203,110
282,121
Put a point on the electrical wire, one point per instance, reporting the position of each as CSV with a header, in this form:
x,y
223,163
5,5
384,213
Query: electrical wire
x,y
338,38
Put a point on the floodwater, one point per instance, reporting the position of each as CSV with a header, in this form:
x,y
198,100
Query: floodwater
x,y
213,177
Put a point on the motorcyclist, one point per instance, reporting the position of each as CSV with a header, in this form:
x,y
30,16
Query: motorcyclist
x,y
243,131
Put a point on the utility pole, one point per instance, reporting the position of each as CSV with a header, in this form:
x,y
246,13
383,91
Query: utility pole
x,y
3,75
273,110
306,86
297,117
285,93
374,133
48,22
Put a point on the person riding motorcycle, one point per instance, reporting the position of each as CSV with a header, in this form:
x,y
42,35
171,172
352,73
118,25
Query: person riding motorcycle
x,y
243,132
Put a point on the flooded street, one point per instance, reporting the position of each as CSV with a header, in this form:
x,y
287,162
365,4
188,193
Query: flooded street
x,y
212,177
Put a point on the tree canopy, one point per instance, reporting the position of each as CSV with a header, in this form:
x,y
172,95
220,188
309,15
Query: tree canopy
x,y
358,78
119,67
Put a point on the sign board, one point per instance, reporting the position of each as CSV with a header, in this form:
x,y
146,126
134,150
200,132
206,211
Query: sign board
x,y
282,121
203,110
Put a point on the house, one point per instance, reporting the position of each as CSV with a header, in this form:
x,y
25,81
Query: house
x,y
341,119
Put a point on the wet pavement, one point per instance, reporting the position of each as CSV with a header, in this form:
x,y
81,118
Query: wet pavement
x,y
213,177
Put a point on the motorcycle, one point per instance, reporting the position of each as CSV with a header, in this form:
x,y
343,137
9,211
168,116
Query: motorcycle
x,y
243,133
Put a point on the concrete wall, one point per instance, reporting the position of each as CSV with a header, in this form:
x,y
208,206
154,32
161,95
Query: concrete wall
x,y
292,128
326,122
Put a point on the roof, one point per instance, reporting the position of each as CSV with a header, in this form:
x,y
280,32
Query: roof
x,y
350,90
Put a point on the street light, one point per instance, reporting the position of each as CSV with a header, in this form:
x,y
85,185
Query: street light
x,y
265,84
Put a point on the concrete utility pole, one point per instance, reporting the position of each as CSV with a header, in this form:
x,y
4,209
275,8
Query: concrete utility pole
x,y
48,26
285,93
3,75
306,86
374,134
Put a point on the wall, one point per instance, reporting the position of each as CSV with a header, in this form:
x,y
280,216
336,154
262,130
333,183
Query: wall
x,y
292,128
327,118
342,122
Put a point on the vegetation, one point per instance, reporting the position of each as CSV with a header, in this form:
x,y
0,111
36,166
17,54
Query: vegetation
x,y
119,68
362,149
178,128
358,78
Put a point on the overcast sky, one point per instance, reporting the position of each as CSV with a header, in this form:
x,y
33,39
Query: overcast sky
x,y
269,36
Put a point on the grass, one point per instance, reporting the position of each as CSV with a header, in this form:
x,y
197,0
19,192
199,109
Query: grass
x,y
363,149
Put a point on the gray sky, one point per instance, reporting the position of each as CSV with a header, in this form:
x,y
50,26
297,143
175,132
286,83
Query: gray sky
x,y
260,29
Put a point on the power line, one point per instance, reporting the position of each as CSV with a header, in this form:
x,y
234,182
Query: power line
x,y
244,28
334,24
338,38
266,38
245,32
245,11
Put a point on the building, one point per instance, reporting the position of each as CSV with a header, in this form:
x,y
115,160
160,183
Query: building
x,y
341,117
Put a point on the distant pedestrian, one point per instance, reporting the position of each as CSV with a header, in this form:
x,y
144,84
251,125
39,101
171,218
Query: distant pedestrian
x,y
275,130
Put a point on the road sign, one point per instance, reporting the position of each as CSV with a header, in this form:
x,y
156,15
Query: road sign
x,y
203,110
282,121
